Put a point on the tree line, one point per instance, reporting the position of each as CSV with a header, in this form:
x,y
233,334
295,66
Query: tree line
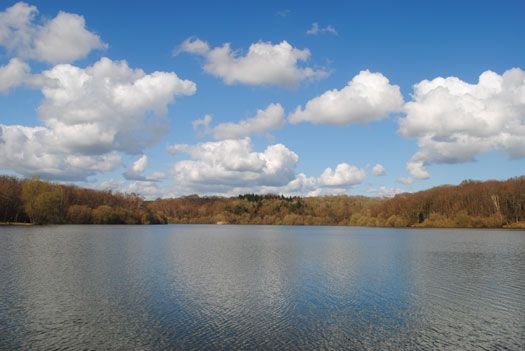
x,y
40,202
471,204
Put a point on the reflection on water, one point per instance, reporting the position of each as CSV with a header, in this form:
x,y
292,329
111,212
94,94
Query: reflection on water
x,y
246,287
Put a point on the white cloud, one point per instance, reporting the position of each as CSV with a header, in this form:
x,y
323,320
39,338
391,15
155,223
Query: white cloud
x,y
384,191
301,184
116,185
264,64
379,170
108,106
330,182
13,74
88,115
405,180
231,167
193,46
140,164
202,123
36,151
234,163
137,168
64,38
135,171
272,117
148,189
16,28
343,175
454,121
315,29
367,97
417,169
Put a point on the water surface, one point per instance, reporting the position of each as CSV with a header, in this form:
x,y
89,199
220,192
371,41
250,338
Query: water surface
x,y
261,287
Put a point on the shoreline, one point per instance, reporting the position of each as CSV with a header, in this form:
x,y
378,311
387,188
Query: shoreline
x,y
21,224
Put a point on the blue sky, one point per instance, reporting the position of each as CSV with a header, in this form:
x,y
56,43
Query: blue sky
x,y
446,131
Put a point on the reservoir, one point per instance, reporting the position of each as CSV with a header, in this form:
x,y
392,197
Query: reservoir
x,y
195,287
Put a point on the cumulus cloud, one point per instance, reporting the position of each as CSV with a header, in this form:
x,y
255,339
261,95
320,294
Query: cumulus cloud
x,y
137,168
379,170
264,63
343,175
331,182
454,121
315,29
13,74
367,97
234,163
36,151
88,114
108,106
230,167
193,46
61,39
272,117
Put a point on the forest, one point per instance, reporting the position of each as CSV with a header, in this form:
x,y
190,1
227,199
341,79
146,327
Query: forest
x,y
471,204
40,202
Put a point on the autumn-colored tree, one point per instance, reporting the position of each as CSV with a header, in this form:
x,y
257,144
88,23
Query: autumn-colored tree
x,y
43,202
490,204
105,214
80,214
11,207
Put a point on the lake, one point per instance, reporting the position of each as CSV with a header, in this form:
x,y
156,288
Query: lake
x,y
261,287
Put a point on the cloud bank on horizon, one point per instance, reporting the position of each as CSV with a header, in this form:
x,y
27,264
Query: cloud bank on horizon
x,y
106,123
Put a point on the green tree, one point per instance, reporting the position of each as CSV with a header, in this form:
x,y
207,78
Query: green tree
x,y
43,202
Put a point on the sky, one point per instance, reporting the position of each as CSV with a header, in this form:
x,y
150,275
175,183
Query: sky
x,y
302,98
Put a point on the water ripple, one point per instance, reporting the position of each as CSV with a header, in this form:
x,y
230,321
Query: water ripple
x,y
260,287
